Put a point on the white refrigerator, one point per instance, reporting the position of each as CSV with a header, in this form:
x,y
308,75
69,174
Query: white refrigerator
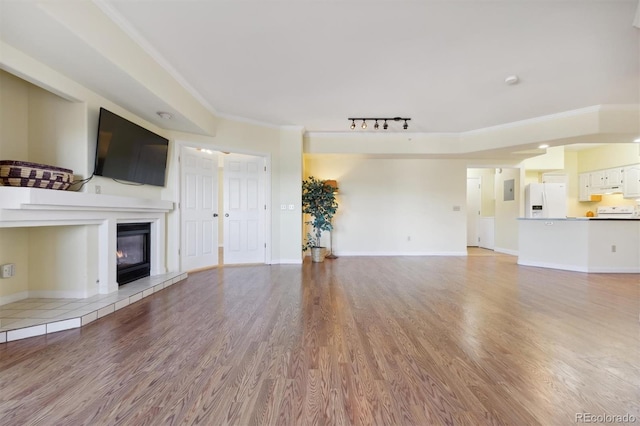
x,y
545,200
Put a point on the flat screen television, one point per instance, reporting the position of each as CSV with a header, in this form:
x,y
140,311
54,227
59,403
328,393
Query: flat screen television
x,y
129,152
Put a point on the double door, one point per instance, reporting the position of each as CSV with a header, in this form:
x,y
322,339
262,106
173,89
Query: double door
x,y
237,184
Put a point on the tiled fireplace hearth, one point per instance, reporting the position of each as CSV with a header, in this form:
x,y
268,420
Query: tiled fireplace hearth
x,y
92,220
38,316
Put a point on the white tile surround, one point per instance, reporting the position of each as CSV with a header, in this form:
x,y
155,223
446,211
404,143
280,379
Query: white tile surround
x,y
36,317
35,207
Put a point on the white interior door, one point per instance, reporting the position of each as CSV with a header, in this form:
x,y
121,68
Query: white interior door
x,y
244,209
198,209
474,194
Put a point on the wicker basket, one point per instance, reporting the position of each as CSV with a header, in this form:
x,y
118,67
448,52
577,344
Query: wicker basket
x,y
33,175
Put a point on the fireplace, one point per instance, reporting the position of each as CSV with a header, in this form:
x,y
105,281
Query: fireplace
x,y
132,253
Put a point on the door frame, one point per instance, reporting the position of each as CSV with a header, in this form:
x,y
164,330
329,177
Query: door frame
x,y
478,192
179,145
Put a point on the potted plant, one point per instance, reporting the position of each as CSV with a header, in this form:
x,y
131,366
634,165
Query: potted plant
x,y
319,201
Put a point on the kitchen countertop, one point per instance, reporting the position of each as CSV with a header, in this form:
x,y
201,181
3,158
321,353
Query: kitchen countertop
x,y
579,218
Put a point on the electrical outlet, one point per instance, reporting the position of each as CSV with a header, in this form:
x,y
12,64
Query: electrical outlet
x,y
7,270
613,248
292,207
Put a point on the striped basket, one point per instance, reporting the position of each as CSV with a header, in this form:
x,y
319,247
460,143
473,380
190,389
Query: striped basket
x,y
33,175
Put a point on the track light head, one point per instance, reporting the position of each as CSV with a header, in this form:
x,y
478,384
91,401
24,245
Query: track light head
x,y
376,125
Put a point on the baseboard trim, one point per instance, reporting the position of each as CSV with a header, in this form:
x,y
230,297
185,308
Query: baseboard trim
x,y
395,253
15,297
506,251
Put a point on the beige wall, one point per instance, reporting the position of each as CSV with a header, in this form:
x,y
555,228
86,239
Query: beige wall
x,y
14,248
63,267
14,125
608,156
507,212
57,131
396,206
575,208
14,134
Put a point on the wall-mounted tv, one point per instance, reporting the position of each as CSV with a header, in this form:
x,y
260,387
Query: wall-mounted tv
x,y
129,152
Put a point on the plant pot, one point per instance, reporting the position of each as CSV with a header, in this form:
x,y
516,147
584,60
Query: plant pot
x,y
318,253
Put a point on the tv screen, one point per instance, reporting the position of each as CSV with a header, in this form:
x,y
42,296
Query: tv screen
x,y
129,152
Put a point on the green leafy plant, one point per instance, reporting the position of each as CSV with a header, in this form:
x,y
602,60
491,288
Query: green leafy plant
x,y
319,201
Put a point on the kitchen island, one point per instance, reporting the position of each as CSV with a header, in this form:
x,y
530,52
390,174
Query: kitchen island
x,y
580,244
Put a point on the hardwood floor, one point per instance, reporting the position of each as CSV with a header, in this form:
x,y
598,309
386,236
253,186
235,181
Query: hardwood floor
x,y
391,340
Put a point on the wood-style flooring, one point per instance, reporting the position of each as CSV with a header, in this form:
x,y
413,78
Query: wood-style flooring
x,y
474,340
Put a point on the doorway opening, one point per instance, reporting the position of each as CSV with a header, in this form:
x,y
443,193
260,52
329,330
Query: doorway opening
x,y
223,208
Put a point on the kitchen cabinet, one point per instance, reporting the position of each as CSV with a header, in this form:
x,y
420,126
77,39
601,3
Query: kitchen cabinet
x,y
631,184
613,177
584,189
597,181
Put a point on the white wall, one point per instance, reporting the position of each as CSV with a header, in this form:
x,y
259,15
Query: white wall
x,y
396,206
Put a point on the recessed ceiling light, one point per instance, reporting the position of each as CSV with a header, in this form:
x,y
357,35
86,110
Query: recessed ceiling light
x,y
165,115
637,140
543,146
512,79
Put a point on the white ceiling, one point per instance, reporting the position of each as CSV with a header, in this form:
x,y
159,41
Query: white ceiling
x,y
313,63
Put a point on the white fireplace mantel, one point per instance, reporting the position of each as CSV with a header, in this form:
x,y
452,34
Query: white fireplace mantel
x,y
32,207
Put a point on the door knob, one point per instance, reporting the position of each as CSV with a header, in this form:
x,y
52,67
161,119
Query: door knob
x,y
215,215
226,215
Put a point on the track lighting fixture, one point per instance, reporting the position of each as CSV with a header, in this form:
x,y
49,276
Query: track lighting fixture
x,y
376,126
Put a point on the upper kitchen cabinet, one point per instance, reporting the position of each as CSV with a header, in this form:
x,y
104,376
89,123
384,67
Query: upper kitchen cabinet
x,y
584,190
613,177
631,184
